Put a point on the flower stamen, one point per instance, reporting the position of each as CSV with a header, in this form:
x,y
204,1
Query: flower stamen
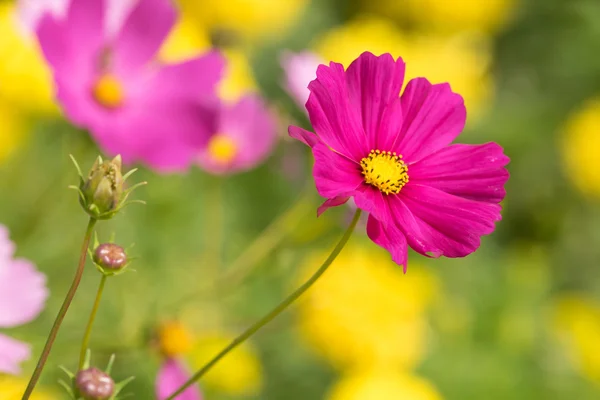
x,y
108,91
385,170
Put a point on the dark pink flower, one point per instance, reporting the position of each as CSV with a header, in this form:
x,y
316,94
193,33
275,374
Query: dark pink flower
x,y
111,83
23,294
245,136
394,156
172,376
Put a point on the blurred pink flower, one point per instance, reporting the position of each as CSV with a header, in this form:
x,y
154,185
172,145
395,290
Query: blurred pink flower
x,y
369,142
171,376
299,70
23,294
245,137
112,84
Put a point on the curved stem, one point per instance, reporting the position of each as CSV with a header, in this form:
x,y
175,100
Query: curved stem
x,y
275,312
63,311
257,250
88,328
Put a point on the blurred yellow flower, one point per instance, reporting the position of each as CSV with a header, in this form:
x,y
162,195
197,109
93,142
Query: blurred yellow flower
x,y
13,130
25,79
240,373
580,144
383,384
12,388
365,311
174,338
576,322
251,19
463,61
448,16
188,40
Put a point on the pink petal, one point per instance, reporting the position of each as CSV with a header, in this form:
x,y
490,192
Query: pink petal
x,y
436,223
300,69
54,42
334,202
475,172
193,79
142,34
373,83
334,174
433,117
23,292
335,119
165,138
390,238
250,124
170,377
7,247
12,353
306,137
85,20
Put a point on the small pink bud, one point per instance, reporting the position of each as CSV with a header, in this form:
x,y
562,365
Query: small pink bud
x,y
110,256
94,384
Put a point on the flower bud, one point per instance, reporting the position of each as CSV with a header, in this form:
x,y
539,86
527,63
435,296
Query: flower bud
x,y
94,384
110,256
103,188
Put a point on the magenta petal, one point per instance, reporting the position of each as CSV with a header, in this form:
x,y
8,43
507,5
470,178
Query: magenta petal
x,y
475,172
12,353
437,223
249,124
53,40
85,24
334,118
433,117
373,83
23,292
306,137
334,174
170,378
192,79
390,238
334,202
142,34
373,201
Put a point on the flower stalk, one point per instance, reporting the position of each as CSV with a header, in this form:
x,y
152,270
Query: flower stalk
x,y
62,312
90,324
275,312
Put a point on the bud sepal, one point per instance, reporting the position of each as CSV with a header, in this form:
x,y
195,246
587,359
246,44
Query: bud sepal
x,y
91,383
102,193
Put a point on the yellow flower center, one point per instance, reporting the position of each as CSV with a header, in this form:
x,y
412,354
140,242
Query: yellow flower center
x,y
222,148
108,91
385,170
174,339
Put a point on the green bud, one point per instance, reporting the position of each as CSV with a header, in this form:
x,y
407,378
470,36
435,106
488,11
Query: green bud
x,y
101,193
103,188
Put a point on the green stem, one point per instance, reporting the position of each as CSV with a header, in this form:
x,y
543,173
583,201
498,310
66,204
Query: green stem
x,y
88,329
259,248
63,311
275,312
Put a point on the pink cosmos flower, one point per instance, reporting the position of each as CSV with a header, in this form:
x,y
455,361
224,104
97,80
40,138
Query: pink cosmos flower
x,y
244,137
23,294
394,156
111,83
299,69
171,376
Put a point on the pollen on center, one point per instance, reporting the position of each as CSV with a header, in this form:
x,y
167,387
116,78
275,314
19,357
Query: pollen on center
x,y
222,148
385,170
108,91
